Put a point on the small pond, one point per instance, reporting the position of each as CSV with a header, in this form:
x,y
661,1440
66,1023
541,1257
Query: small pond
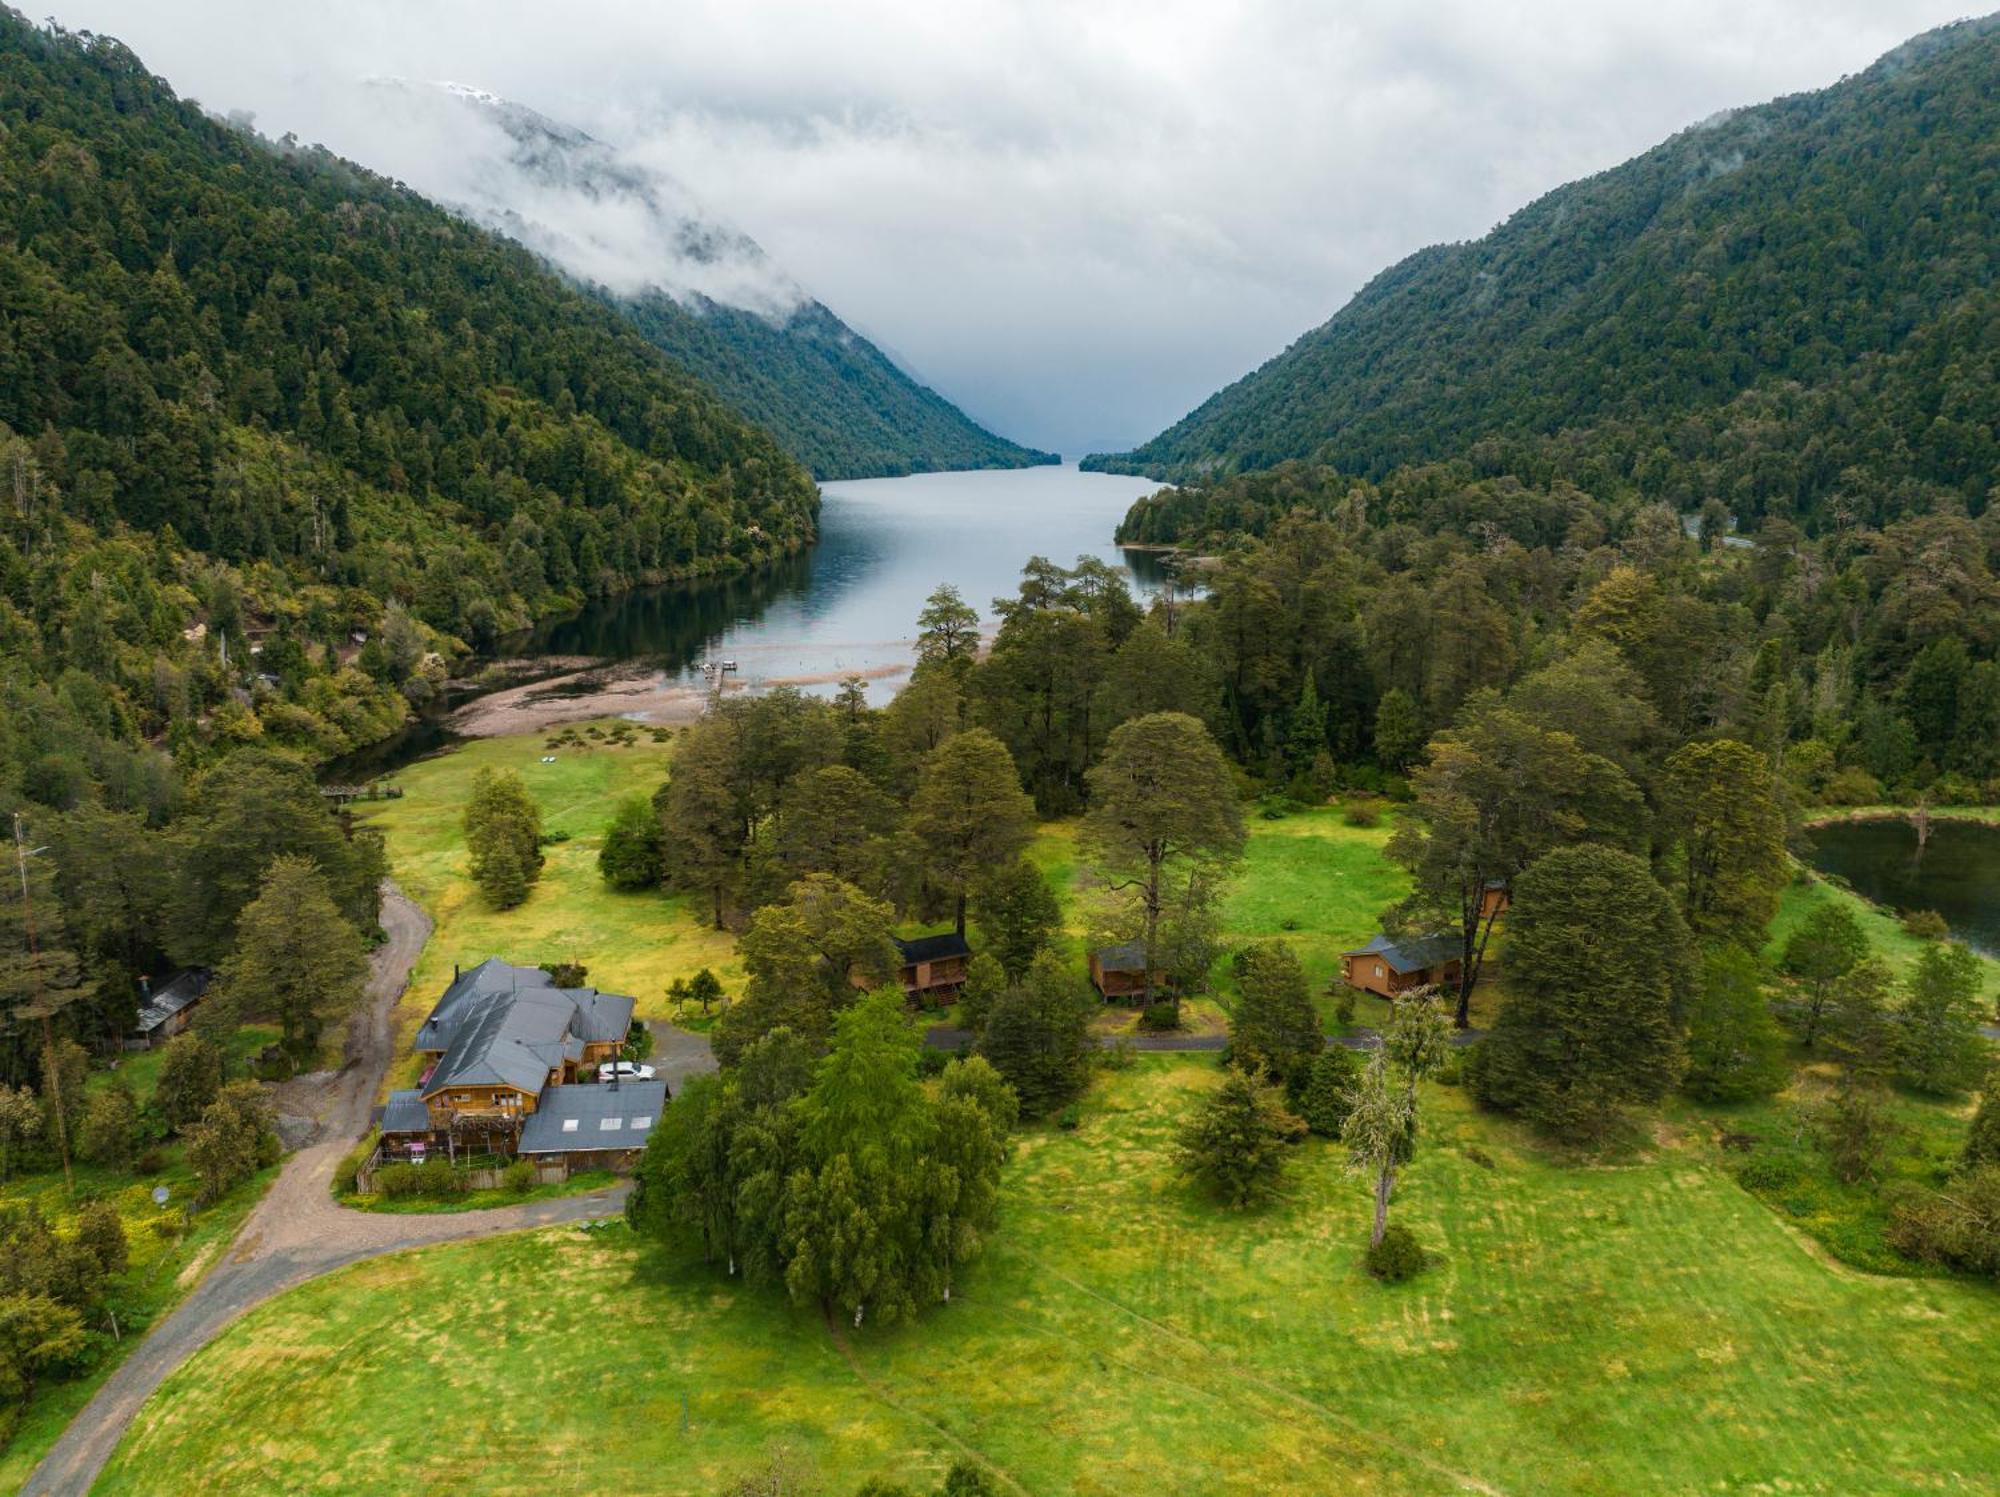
x,y
1956,873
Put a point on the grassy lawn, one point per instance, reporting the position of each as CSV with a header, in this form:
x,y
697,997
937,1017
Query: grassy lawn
x,y
1641,1328
1885,932
165,1266
632,943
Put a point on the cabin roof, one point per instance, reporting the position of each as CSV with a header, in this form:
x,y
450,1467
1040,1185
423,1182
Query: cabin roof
x,y
932,948
594,1116
405,1113
1126,956
1405,957
502,1025
183,990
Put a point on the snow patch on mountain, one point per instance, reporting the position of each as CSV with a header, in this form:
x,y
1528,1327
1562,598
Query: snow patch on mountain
x,y
571,198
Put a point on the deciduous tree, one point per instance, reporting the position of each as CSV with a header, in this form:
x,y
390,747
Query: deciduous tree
x,y
503,837
968,815
1824,949
1722,811
1734,1048
1380,1128
1162,799
1234,1143
631,856
1037,1035
1941,1050
1275,1026
1018,914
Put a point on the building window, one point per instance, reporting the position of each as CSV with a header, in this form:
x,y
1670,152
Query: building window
x,y
569,1125
610,1125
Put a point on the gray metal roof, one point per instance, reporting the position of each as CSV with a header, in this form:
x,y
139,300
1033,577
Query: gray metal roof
x,y
405,1113
1127,956
594,1115
502,1025
1416,955
183,990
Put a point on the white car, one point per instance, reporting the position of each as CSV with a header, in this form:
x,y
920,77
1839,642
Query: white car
x,y
624,1070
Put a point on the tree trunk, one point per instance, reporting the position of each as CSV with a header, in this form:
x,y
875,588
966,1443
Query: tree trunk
x,y
961,914
1385,1186
718,906
1152,932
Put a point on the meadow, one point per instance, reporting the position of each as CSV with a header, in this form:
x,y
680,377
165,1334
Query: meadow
x,y
170,1250
1307,877
1639,1327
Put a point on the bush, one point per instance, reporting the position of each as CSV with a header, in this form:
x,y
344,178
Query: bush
x,y
1160,1018
1069,1119
1767,1174
345,1181
1119,1054
1327,1094
151,1162
1234,1144
1853,786
1343,1005
435,1180
1362,811
1959,1226
1452,1072
519,1177
1398,1256
1925,925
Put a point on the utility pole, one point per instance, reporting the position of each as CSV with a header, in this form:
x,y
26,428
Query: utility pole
x,y
51,1066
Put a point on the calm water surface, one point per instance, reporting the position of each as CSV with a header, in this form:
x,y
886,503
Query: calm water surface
x,y
1957,873
850,604
847,606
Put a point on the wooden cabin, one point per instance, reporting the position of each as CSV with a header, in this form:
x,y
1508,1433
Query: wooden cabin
x,y
168,1009
1388,968
933,967
1120,972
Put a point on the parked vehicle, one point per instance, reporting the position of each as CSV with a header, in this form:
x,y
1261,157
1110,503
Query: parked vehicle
x,y
624,1070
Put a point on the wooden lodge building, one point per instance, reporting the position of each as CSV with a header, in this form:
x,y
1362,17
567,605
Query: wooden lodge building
x,y
933,967
1120,971
506,1046
1389,968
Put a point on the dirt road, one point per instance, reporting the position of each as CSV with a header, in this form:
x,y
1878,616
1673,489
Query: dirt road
x,y
296,1232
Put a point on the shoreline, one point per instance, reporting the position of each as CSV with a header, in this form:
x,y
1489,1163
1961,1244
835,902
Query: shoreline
x,y
1859,815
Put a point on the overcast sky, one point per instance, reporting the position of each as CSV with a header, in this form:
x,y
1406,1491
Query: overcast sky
x,y
1077,218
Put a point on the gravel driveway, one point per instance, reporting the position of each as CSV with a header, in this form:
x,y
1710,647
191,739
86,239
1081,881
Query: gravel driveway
x,y
297,1231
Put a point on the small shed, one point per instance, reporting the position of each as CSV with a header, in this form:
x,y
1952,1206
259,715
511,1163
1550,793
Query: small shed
x,y
166,1010
1494,898
1388,967
934,967
1120,971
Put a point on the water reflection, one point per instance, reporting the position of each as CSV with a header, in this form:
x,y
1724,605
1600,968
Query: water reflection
x,y
850,604
1956,873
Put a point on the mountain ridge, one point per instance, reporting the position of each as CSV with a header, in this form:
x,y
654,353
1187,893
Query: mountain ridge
x,y
1802,245
699,288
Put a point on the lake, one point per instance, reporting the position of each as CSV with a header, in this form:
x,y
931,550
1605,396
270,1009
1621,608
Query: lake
x,y
847,606
1957,873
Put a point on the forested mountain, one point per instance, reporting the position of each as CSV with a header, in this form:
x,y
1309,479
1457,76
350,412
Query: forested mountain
x,y
1790,308
699,289
256,395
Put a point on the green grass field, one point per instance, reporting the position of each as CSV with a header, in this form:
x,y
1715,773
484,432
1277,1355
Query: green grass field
x,y
165,1266
632,943
1643,1328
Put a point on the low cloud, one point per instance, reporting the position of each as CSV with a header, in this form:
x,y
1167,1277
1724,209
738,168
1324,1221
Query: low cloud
x,y
1075,220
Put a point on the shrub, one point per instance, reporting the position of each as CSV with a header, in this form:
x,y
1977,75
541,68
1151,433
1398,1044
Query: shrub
x,y
1069,1119
1452,1072
1767,1174
1343,1005
1119,1054
1854,1129
1398,1256
1925,925
345,1181
1327,1095
519,1177
1159,1018
1362,811
151,1162
1959,1225
1853,786
1234,1144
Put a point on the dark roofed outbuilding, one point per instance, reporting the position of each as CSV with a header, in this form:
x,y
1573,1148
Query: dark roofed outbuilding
x,y
934,964
1387,966
168,1008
